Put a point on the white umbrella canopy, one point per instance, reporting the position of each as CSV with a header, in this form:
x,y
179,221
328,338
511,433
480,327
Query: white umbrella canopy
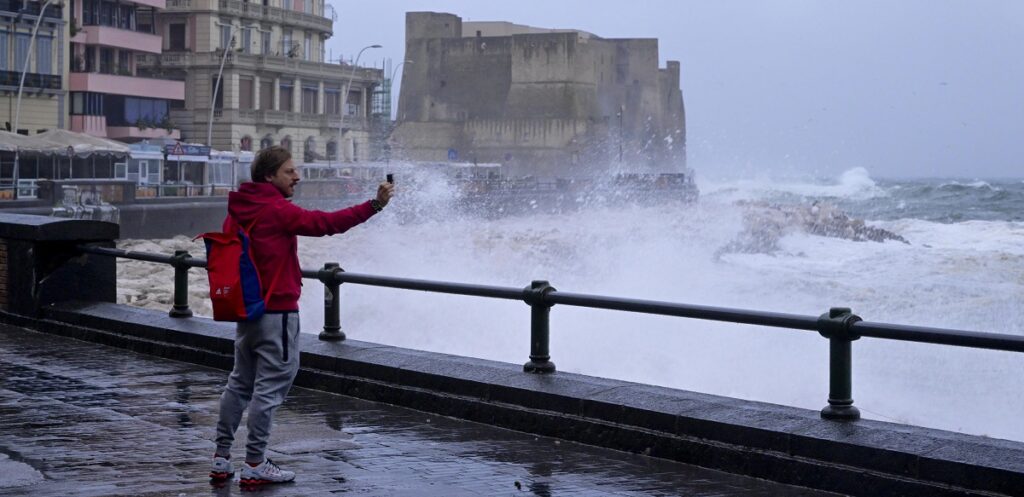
x,y
11,142
57,141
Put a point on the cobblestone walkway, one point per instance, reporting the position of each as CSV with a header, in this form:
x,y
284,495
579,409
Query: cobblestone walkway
x,y
79,419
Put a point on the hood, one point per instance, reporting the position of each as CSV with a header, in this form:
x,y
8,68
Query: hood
x,y
250,199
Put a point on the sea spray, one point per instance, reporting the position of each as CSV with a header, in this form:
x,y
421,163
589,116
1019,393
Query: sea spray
x,y
963,274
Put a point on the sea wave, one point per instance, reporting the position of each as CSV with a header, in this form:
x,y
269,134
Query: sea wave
x,y
852,184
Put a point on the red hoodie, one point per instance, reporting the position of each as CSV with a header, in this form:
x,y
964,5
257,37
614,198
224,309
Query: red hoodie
x,y
274,235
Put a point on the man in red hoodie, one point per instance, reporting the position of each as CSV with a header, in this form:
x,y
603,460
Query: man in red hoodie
x,y
266,350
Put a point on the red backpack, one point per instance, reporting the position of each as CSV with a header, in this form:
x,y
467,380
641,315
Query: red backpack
x,y
235,287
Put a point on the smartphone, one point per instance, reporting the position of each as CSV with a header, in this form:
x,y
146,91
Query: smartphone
x,y
391,178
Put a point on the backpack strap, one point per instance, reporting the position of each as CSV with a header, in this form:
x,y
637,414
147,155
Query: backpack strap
x,y
246,229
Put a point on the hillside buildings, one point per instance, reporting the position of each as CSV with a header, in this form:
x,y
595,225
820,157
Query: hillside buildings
x,y
44,97
277,86
543,102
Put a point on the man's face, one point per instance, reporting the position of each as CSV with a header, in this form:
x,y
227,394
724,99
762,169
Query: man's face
x,y
285,179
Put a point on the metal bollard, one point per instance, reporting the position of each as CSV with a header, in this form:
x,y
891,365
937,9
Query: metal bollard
x,y
540,330
180,308
332,302
835,325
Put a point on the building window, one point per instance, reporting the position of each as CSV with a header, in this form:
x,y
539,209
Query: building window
x,y
86,103
44,55
332,101
309,154
286,143
246,144
266,43
245,93
225,36
332,150
124,63
177,36
247,40
107,60
20,50
285,98
219,97
3,50
267,95
309,99
266,142
287,49
287,4
308,55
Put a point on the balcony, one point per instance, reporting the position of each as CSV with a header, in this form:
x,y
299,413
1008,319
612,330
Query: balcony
x,y
129,132
279,118
32,80
254,11
127,85
120,38
269,63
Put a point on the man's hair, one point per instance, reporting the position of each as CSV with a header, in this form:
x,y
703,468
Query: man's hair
x,y
267,162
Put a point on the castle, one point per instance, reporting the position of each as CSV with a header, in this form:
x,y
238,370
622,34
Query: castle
x,y
543,102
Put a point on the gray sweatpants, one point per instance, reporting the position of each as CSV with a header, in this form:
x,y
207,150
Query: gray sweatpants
x,y
266,362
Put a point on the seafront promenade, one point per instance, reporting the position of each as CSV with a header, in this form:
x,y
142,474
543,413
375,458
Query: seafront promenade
x,y
82,419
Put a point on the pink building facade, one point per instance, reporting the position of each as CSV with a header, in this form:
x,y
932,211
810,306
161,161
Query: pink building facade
x,y
108,99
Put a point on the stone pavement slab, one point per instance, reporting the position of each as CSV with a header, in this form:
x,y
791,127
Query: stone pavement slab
x,y
79,419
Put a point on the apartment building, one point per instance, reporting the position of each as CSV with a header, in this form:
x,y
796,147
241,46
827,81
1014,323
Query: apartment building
x,y
44,96
277,86
109,97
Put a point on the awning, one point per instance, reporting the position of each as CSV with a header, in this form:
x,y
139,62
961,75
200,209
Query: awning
x,y
64,142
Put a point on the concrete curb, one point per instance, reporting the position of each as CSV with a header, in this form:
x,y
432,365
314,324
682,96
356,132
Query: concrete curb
x,y
778,443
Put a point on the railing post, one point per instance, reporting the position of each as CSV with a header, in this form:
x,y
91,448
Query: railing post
x,y
180,308
540,330
332,302
835,325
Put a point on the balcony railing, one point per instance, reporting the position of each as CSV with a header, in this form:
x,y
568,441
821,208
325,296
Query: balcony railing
x,y
255,11
281,118
32,80
53,12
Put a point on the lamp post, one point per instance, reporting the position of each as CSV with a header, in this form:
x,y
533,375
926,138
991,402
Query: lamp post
x,y
216,86
391,84
344,100
21,87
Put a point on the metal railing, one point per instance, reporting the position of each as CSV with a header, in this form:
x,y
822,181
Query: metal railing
x,y
839,325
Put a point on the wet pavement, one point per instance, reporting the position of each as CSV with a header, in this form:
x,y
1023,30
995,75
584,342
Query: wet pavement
x,y
79,419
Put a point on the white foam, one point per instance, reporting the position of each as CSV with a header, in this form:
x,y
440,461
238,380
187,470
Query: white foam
x,y
964,275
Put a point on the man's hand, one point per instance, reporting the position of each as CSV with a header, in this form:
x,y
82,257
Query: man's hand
x,y
384,193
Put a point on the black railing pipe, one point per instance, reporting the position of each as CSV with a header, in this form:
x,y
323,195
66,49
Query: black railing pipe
x,y
940,336
760,318
835,326
180,308
496,292
535,296
332,302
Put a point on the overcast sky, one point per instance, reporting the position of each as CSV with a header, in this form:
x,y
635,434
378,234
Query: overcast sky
x,y
931,88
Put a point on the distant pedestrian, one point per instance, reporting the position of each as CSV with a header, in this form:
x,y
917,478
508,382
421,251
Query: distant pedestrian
x,y
267,349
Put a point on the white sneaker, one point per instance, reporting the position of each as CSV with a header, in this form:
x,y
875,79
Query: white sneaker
x,y
266,472
221,469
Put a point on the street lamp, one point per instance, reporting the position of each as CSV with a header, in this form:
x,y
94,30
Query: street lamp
x,y
391,84
21,87
216,86
344,100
